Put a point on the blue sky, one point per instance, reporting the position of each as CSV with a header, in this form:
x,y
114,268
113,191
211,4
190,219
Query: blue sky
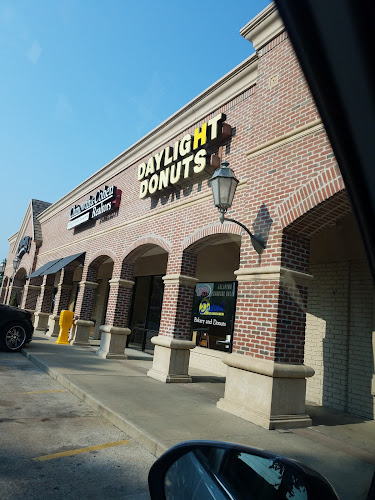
x,y
82,80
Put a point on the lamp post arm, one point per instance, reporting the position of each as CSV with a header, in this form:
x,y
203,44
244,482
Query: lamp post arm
x,y
257,241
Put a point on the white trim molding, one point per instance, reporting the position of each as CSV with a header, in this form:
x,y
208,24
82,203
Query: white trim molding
x,y
264,27
180,279
282,140
267,367
121,283
276,273
238,80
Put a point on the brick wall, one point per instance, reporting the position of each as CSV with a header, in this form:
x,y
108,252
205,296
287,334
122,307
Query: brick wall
x,y
361,362
338,337
28,259
179,218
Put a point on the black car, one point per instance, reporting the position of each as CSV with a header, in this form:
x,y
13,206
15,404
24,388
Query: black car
x,y
16,328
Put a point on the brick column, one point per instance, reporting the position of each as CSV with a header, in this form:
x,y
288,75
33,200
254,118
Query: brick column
x,y
7,290
62,297
31,293
84,307
44,304
115,331
266,377
16,291
15,295
172,345
4,289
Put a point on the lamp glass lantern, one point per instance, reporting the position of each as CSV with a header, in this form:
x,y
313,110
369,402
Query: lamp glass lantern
x,y
2,268
16,263
223,184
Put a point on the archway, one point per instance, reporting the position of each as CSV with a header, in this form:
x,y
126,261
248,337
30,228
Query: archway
x,y
213,313
339,306
4,289
148,262
19,281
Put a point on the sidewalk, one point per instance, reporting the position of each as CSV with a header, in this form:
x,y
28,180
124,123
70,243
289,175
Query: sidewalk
x,y
157,415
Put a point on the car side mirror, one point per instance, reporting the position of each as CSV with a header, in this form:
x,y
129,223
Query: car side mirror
x,y
205,470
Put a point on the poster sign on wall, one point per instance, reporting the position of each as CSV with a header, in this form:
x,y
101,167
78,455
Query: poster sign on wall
x,y
103,202
213,314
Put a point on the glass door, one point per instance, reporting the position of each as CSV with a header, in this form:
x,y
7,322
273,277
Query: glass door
x,y
146,311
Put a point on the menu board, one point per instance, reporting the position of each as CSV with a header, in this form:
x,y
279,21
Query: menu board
x,y
213,314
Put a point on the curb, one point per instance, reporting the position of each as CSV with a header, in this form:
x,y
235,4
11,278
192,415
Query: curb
x,y
151,444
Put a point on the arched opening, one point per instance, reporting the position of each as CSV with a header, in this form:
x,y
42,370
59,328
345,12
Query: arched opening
x,y
19,281
215,295
149,262
339,312
4,289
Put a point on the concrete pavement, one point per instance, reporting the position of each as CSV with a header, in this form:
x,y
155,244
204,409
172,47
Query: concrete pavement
x,y
54,446
157,415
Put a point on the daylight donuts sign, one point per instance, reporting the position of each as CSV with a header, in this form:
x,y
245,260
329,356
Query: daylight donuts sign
x,y
187,157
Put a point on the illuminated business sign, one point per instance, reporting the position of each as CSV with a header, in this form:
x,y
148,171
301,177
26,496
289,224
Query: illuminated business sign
x,y
103,202
24,246
187,157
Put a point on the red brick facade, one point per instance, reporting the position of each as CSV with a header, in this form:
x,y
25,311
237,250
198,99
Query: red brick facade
x,y
277,186
290,189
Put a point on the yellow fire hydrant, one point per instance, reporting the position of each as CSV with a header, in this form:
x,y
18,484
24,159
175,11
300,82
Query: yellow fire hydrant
x,y
65,322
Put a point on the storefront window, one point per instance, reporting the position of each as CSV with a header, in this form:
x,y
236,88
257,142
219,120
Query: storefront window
x,y
213,315
146,311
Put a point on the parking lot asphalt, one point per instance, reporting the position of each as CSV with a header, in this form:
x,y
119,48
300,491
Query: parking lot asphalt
x,y
53,445
157,415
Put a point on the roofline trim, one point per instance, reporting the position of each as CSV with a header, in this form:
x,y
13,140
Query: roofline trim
x,y
239,79
264,27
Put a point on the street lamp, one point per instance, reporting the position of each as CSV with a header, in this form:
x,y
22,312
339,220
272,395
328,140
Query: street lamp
x,y
223,184
2,268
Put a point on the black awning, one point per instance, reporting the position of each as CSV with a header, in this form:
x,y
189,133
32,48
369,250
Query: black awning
x,y
54,266
57,266
41,270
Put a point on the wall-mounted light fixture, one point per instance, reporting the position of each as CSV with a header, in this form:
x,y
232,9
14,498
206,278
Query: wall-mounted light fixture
x,y
223,184
16,263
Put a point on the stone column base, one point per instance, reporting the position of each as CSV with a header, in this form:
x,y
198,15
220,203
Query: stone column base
x,y
171,360
32,312
81,332
53,326
268,394
41,321
113,342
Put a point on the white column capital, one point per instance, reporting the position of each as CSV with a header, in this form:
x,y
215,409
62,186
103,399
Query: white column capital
x,y
121,283
180,279
88,284
276,273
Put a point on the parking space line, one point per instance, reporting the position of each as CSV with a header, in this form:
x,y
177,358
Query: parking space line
x,y
42,392
80,450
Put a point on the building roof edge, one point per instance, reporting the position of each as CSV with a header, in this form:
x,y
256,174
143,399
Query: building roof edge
x,y
237,80
264,27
